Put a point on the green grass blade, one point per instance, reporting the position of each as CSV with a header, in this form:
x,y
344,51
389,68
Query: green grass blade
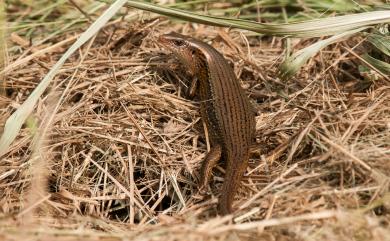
x,y
378,64
293,63
381,42
16,120
312,28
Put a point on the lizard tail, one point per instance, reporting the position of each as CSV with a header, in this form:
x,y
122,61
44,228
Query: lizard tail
x,y
234,172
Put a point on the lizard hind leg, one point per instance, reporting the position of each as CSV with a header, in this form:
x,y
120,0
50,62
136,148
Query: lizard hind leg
x,y
208,164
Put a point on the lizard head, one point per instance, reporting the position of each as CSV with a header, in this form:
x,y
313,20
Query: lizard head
x,y
181,46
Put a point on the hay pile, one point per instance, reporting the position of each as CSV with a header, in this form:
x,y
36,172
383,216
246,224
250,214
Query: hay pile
x,y
113,149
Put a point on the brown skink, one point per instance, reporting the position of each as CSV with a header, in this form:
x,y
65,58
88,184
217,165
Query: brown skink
x,y
225,108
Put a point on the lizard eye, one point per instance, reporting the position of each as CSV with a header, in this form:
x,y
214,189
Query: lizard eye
x,y
178,42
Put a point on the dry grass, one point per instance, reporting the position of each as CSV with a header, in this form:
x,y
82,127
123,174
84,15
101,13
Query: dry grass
x,y
122,148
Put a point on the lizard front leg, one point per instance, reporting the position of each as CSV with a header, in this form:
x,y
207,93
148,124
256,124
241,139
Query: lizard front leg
x,y
191,91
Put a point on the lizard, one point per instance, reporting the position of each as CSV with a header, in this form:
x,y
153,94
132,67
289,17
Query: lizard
x,y
224,107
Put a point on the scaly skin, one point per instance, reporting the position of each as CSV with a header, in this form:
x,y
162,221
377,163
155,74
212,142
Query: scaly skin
x,y
225,108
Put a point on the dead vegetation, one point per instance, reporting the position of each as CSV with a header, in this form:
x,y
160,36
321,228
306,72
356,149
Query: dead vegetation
x,y
113,149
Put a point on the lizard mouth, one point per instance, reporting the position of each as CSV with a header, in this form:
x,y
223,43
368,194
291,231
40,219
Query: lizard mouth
x,y
162,40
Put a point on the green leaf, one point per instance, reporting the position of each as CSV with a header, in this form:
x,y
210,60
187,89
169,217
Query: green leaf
x,y
293,63
378,64
311,28
381,42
